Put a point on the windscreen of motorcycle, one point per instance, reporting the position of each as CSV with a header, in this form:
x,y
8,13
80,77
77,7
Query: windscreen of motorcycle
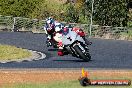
x,y
71,37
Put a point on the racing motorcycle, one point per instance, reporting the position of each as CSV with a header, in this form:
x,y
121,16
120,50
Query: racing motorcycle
x,y
50,42
75,45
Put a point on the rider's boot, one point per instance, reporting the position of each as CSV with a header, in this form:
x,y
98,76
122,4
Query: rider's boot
x,y
60,52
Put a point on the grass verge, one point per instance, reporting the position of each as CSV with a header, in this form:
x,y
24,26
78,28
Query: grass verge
x,y
74,83
128,35
12,53
65,84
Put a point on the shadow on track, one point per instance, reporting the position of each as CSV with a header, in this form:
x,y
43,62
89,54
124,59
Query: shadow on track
x,y
52,49
71,61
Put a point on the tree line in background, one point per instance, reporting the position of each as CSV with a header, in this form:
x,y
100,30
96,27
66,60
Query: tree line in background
x,y
106,12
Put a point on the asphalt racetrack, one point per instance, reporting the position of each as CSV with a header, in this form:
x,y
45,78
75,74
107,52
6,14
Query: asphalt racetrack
x,y
107,54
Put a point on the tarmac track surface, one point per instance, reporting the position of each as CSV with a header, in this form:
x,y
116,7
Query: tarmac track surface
x,y
106,54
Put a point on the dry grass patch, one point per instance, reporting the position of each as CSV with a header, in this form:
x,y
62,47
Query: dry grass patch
x,y
12,53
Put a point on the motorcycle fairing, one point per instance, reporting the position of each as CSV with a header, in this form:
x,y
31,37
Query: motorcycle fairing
x,y
71,37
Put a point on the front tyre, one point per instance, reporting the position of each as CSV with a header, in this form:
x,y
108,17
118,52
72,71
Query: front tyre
x,y
48,43
85,56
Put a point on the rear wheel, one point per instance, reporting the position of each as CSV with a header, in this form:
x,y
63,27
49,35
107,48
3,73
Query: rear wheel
x,y
85,56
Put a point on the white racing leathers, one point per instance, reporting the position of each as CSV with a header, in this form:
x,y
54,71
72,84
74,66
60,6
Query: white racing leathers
x,y
58,38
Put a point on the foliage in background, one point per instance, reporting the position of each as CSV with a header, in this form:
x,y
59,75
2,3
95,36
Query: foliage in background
x,y
109,12
106,12
20,8
130,18
127,35
75,12
46,8
72,14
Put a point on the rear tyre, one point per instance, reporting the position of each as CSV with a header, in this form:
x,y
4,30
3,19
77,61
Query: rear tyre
x,y
85,56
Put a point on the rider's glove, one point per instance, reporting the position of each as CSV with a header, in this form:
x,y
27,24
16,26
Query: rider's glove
x,y
60,44
81,33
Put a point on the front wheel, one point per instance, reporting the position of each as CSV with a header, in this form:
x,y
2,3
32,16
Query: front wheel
x,y
85,56
48,43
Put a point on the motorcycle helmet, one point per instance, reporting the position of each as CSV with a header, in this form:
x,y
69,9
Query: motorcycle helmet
x,y
57,24
48,22
65,30
57,29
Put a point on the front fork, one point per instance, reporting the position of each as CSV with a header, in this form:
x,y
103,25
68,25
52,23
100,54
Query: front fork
x,y
86,41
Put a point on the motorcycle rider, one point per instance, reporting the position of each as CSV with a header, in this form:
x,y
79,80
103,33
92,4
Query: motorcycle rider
x,y
63,32
58,37
50,29
55,30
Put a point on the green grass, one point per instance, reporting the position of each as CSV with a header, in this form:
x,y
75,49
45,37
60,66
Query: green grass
x,y
127,35
12,53
68,84
65,84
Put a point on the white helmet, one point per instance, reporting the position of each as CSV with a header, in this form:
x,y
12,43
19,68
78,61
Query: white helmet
x,y
57,29
57,23
48,21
